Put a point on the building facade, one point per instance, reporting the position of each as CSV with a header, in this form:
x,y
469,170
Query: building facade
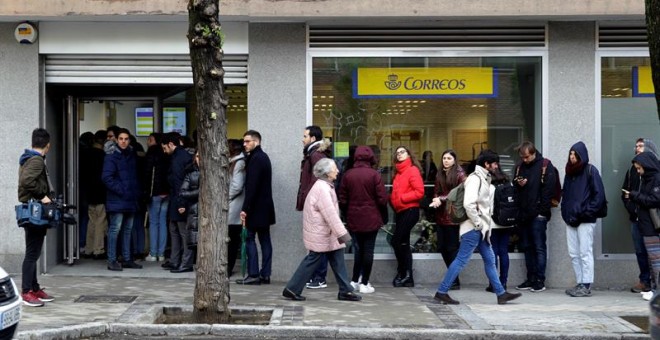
x,y
432,75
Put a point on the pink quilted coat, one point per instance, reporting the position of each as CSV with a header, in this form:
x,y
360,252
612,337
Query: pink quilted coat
x,y
321,223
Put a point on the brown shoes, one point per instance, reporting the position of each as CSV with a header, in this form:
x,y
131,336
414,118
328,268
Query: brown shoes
x,y
506,297
445,299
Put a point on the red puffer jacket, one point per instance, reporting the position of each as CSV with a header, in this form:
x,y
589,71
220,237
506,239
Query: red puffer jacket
x,y
407,187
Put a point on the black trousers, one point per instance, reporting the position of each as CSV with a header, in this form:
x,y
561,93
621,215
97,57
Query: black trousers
x,y
405,221
34,242
364,257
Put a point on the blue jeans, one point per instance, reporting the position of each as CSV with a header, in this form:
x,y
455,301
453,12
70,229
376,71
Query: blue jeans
x,y
158,225
641,254
120,222
253,255
470,241
321,270
499,239
311,261
533,241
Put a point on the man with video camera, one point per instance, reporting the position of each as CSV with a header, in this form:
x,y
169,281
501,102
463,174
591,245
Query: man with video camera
x,y
33,183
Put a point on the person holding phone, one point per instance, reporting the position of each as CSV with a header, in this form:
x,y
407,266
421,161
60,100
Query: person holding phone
x,y
647,197
633,181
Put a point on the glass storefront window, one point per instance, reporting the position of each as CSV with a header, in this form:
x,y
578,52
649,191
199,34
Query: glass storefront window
x,y
626,115
499,118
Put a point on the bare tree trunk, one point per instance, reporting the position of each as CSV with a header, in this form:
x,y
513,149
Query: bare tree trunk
x,y
211,297
653,30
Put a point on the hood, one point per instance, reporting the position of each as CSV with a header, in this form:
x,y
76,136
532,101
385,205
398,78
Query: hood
x,y
27,154
364,154
649,162
581,150
649,146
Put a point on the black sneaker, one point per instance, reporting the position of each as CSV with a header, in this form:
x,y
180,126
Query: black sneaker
x,y
350,296
114,266
537,287
527,285
131,265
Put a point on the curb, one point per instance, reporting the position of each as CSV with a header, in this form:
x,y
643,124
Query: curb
x,y
288,332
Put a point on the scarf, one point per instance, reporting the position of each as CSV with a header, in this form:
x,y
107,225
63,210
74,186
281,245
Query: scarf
x,y
574,169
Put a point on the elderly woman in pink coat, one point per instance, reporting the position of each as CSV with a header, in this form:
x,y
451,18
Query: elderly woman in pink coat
x,y
323,233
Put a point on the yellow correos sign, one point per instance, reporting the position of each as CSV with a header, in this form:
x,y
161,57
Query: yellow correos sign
x,y
642,82
421,82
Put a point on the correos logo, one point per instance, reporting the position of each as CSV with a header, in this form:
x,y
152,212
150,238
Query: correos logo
x,y
413,84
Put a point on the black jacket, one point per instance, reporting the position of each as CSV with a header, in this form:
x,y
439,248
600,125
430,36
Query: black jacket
x,y
92,170
632,182
258,204
649,195
179,161
535,196
156,168
190,195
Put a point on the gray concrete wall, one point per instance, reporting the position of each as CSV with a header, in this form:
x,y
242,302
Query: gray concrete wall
x,y
277,106
572,112
297,9
19,100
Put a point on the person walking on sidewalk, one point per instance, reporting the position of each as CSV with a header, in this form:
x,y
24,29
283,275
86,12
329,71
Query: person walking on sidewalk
x,y
258,211
633,182
315,148
583,201
475,231
535,180
33,183
363,197
647,197
407,191
123,192
448,178
323,233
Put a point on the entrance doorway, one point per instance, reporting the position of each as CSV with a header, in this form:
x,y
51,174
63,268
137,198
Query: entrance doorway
x,y
72,110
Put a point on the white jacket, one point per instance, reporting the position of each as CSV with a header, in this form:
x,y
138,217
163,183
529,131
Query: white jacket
x,y
477,202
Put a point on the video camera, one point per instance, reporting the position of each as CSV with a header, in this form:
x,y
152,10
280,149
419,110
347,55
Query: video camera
x,y
49,215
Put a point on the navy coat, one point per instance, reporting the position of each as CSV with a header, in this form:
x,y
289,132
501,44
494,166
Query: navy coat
x,y
583,193
258,203
121,182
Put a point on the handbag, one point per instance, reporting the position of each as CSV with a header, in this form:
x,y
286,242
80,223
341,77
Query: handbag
x,y
655,217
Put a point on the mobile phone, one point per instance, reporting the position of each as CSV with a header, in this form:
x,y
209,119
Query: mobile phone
x,y
625,191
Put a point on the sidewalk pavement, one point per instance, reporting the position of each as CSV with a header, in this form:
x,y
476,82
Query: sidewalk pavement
x,y
547,314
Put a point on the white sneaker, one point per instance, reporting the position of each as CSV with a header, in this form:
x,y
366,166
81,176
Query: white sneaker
x,y
648,295
366,289
355,285
151,258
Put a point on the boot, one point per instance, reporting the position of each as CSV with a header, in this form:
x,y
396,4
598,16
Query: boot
x,y
406,281
397,279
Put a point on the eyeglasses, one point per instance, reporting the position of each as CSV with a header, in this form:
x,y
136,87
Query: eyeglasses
x,y
401,152
639,145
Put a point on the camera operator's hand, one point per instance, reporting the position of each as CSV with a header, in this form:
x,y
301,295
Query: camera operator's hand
x,y
46,200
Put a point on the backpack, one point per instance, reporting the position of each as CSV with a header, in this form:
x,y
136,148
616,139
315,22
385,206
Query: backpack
x,y
455,209
506,205
556,192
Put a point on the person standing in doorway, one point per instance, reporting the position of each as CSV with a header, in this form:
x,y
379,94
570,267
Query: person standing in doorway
x,y
583,199
120,179
33,183
258,212
96,196
181,260
157,188
407,191
315,148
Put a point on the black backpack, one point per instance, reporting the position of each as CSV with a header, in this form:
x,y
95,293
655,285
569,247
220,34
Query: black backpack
x,y
505,210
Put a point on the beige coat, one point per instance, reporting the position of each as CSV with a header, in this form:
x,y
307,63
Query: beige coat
x,y
321,223
477,202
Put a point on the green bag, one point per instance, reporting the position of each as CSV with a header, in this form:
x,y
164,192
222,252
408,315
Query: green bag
x,y
455,209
